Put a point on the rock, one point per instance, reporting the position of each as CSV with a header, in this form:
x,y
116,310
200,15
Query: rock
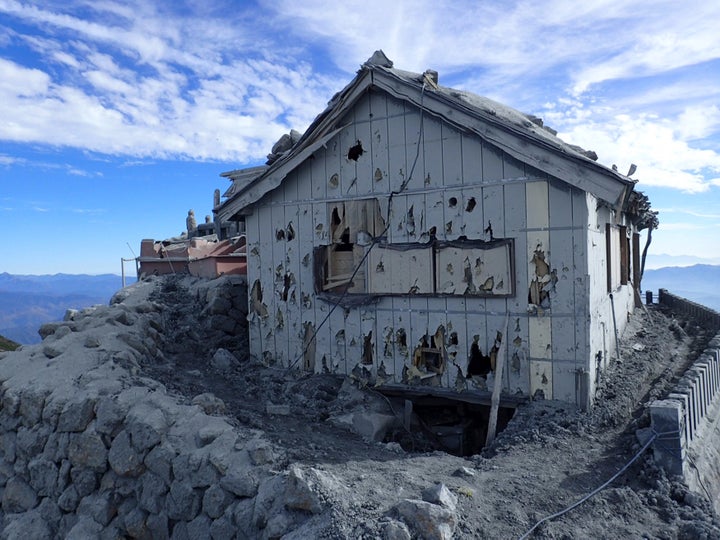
x,y
223,529
159,460
84,529
43,477
299,493
395,530
27,525
209,403
123,458
76,414
195,469
98,507
215,501
464,472
240,483
260,452
84,481
31,442
224,360
109,415
88,450
69,499
157,525
152,496
52,350
440,494
146,425
429,521
182,502
31,406
134,523
91,342
199,527
18,496
372,426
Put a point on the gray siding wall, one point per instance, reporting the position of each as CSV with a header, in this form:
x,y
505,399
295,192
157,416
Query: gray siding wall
x,y
547,348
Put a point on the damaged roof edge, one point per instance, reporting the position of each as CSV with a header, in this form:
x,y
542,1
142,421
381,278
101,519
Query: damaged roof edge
x,y
508,131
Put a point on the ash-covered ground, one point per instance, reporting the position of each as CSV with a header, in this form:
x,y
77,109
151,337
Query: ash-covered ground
x,y
549,456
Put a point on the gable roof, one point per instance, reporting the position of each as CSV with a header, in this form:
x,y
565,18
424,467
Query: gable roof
x,y
519,135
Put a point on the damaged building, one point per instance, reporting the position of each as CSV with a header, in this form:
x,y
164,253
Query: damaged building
x,y
414,232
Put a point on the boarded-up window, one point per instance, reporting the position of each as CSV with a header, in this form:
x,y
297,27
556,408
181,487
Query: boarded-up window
x,y
352,225
475,268
400,270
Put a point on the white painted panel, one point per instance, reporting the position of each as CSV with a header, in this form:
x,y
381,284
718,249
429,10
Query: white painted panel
x,y
472,159
474,222
397,157
379,143
452,156
541,375
492,163
471,271
536,195
432,152
400,271
540,337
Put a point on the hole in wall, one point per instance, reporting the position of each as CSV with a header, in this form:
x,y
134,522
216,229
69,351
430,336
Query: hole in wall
x,y
452,202
446,425
471,204
355,151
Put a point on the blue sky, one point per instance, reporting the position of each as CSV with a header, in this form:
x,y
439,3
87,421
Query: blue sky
x,y
117,117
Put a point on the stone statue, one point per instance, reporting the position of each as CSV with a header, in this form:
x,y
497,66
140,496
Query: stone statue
x,y
208,220
190,222
216,198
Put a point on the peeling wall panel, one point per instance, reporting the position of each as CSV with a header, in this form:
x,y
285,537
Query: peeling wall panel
x,y
493,206
402,326
266,276
452,225
364,169
541,375
474,221
515,219
380,139
536,195
279,309
434,215
518,358
347,182
432,153
254,273
397,155
412,131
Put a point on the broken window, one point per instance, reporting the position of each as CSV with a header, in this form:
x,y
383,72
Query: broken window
x,y
475,268
353,225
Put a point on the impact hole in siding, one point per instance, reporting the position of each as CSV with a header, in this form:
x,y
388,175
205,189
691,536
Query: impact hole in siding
x,y
452,202
290,232
355,151
478,363
471,204
367,356
279,235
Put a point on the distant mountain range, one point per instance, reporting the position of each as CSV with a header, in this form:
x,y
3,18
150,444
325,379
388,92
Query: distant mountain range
x,y
27,301
699,283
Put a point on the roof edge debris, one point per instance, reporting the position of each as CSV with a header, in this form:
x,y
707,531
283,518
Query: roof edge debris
x,y
510,130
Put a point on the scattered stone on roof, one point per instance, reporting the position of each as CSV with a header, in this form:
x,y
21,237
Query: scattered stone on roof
x,y
283,145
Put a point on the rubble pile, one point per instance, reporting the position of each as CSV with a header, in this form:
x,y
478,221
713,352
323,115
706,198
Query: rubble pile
x,y
147,419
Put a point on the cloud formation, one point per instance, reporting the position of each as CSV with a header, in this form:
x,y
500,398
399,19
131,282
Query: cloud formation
x,y
632,80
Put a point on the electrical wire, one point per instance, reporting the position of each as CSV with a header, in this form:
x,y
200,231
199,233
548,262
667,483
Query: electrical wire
x,y
596,490
376,239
